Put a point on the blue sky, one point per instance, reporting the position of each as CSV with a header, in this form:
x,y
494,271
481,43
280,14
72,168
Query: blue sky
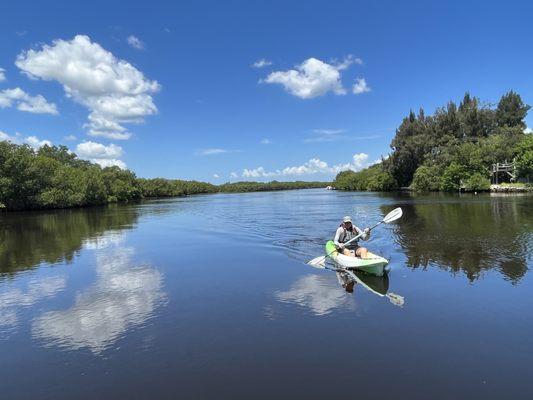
x,y
171,90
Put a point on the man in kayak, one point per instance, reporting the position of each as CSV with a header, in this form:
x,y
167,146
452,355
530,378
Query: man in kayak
x,y
345,232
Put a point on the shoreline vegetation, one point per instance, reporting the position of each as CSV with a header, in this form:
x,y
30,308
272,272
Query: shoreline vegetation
x,y
53,177
453,150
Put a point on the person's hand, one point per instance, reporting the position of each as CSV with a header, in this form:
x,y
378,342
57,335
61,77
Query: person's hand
x,y
367,231
341,246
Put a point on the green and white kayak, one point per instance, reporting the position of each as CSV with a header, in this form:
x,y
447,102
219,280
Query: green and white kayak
x,y
372,264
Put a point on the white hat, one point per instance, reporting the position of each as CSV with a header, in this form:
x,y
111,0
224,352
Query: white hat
x,y
347,219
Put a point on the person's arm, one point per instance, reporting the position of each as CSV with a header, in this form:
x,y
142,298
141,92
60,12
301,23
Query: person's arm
x,y
365,233
337,238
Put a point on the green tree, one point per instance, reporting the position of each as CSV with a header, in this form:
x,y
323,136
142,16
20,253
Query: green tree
x,y
477,182
427,178
453,176
511,110
524,157
121,185
410,145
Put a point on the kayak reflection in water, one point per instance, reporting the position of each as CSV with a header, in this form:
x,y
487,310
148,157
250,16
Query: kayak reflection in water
x,y
347,231
346,281
376,284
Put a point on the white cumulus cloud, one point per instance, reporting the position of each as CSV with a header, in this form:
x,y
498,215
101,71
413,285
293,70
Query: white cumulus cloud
x,y
105,156
114,91
98,150
18,138
360,86
135,42
25,102
528,130
36,143
311,167
257,173
111,162
5,136
310,79
359,161
262,63
266,141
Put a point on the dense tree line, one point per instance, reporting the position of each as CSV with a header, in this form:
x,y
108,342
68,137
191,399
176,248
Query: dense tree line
x,y
239,187
54,177
452,149
160,187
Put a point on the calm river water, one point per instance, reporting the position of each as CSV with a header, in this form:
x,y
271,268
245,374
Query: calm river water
x,y
210,297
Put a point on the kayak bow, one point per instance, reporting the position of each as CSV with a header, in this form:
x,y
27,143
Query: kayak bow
x,y
372,264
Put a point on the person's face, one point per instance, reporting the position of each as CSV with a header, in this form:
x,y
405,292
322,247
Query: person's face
x,y
348,225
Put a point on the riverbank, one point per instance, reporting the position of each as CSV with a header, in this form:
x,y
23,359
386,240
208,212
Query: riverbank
x,y
499,188
53,177
511,188
458,147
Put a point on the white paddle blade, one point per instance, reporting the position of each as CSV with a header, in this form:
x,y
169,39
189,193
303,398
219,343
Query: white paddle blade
x,y
393,215
317,261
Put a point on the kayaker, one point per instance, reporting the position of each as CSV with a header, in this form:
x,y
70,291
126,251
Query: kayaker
x,y
345,232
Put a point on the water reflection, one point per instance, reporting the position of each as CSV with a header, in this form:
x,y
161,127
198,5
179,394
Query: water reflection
x,y
468,235
12,300
31,238
99,242
376,284
318,293
322,296
123,296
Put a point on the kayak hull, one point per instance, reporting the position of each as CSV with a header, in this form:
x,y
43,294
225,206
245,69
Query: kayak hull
x,y
373,264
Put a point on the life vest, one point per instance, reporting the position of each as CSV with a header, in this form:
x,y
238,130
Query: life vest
x,y
348,235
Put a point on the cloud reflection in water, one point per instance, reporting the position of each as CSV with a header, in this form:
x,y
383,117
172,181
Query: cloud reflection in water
x,y
122,297
318,293
12,300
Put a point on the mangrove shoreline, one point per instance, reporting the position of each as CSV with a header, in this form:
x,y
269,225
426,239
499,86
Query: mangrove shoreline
x,y
52,177
452,150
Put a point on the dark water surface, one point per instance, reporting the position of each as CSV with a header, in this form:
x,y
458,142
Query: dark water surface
x,y
210,297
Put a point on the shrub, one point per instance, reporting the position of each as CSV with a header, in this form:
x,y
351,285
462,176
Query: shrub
x,y
477,182
426,179
452,177
524,156
372,178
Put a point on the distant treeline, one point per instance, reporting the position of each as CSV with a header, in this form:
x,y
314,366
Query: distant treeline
x,y
160,187
239,187
54,177
452,149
